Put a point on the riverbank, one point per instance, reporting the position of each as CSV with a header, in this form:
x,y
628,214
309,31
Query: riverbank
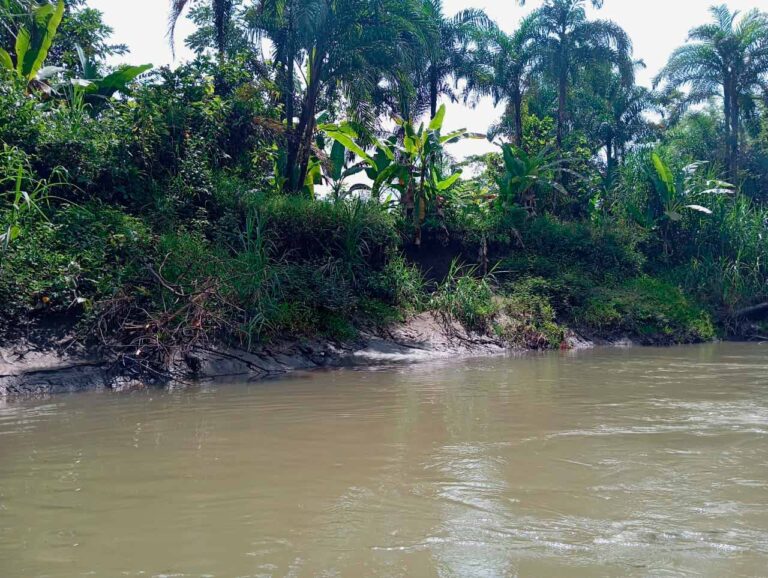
x,y
54,362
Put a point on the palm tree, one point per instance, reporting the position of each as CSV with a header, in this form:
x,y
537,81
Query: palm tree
x,y
338,47
222,13
564,41
623,119
728,59
502,70
448,56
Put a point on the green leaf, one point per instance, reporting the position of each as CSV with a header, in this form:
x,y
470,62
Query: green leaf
x,y
119,80
448,183
437,122
664,173
349,144
338,154
454,136
5,60
33,44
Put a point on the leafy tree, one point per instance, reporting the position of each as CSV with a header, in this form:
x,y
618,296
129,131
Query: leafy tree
x,y
344,46
564,42
448,57
83,27
503,68
222,14
624,120
727,58
33,41
80,26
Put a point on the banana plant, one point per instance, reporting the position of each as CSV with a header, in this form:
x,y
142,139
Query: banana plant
x,y
676,191
97,90
380,167
527,177
412,167
33,41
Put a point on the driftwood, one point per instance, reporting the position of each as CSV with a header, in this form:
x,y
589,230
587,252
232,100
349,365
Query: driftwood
x,y
747,312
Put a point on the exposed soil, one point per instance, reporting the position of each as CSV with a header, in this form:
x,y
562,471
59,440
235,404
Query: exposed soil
x,y
46,361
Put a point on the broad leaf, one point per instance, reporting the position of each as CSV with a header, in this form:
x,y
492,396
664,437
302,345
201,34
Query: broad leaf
x,y
33,44
437,122
349,144
119,80
454,136
664,173
448,183
5,60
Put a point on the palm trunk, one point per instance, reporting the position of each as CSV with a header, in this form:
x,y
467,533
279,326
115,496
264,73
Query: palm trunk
x,y
611,160
562,103
300,140
517,108
735,125
727,110
433,92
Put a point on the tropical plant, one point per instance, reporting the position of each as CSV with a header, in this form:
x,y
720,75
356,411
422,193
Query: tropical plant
x,y
97,90
727,58
673,194
502,70
677,190
624,120
339,46
528,176
21,194
33,41
564,42
222,13
449,57
414,169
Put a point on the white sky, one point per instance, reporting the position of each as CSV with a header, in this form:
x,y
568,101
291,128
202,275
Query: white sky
x,y
656,27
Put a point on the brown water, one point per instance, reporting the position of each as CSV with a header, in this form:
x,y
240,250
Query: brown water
x,y
609,463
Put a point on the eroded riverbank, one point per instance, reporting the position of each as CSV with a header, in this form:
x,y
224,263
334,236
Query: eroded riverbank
x,y
44,366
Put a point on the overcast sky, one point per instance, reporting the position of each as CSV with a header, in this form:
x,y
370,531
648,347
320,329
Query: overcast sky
x,y
656,27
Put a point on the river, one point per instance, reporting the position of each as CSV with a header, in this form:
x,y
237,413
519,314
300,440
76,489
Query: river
x,y
637,462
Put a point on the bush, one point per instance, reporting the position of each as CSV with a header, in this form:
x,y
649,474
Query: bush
x,y
658,312
467,299
529,319
84,254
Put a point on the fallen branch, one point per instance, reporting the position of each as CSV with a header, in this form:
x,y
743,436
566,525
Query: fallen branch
x,y
752,311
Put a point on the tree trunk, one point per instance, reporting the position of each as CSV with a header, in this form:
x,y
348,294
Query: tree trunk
x,y
433,92
610,158
300,140
517,108
727,107
735,126
562,103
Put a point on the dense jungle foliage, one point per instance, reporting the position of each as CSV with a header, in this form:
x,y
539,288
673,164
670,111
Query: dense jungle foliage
x,y
295,178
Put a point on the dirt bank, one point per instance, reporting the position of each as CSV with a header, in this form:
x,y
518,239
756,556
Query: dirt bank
x,y
46,362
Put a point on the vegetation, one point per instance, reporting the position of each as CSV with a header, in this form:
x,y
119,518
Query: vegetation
x,y
295,178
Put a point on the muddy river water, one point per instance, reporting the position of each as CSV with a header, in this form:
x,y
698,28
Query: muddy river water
x,y
638,462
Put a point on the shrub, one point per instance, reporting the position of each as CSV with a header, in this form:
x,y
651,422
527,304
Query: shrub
x,y
528,318
84,254
658,312
465,298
